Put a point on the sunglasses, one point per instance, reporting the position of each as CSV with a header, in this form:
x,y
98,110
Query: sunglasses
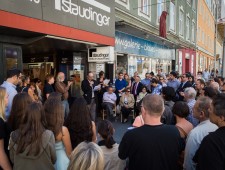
x,y
128,91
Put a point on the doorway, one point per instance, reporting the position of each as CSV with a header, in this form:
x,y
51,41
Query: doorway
x,y
187,65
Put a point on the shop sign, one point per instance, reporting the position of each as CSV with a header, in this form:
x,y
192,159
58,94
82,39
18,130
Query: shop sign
x,y
101,54
126,43
96,16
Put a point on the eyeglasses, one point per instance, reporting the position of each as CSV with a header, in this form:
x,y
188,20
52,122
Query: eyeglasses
x,y
183,76
128,91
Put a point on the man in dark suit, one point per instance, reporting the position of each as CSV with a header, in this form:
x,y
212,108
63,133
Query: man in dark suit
x,y
135,90
184,84
89,86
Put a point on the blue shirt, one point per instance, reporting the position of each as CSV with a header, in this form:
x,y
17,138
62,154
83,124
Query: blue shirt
x,y
120,84
173,83
157,89
190,118
146,82
11,91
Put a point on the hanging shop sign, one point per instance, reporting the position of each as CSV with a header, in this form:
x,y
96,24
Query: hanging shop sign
x,y
126,43
97,16
101,54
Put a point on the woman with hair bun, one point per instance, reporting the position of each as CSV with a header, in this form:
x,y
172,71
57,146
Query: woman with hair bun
x,y
109,146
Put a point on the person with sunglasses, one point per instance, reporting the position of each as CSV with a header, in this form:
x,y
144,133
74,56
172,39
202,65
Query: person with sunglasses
x,y
127,104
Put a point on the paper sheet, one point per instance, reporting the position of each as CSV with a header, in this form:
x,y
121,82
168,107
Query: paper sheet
x,y
106,81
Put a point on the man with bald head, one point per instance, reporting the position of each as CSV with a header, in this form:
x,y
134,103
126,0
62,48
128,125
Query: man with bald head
x,y
153,145
62,88
89,86
215,86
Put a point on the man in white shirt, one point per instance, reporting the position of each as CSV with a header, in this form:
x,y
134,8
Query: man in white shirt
x,y
109,101
206,75
195,137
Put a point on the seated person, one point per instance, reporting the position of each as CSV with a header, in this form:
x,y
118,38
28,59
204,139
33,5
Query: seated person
x,y
127,104
142,94
109,101
140,97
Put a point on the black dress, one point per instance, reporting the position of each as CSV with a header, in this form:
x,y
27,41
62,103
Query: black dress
x,y
4,135
100,95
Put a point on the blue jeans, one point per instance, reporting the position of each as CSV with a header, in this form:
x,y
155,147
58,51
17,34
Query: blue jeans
x,y
66,108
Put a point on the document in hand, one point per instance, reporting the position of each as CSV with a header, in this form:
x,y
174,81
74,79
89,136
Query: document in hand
x,y
96,88
106,81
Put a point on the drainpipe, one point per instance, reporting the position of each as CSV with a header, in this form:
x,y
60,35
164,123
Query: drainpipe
x,y
215,37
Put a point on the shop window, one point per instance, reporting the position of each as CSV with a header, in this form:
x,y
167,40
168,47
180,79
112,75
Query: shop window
x,y
122,64
172,16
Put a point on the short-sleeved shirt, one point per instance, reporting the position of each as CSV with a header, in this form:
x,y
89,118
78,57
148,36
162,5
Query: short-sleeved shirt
x,y
48,89
151,147
11,91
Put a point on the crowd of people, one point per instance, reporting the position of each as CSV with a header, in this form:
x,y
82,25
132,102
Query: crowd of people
x,y
179,122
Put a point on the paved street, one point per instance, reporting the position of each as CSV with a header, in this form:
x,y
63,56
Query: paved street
x,y
120,129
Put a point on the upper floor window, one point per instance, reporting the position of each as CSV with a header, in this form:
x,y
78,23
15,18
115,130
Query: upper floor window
x,y
193,31
160,8
145,6
181,22
188,28
144,9
124,3
172,16
194,5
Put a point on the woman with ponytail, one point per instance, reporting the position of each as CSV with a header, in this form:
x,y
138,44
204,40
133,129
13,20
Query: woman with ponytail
x,y
109,146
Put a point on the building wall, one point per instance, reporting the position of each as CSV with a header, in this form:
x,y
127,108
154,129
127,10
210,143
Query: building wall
x,y
131,11
206,32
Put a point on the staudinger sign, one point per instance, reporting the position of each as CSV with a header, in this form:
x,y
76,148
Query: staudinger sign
x,y
101,54
97,16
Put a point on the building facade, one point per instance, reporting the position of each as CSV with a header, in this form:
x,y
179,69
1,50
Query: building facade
x,y
206,35
46,36
139,20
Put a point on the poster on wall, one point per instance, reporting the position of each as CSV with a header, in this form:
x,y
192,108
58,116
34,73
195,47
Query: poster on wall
x,y
99,67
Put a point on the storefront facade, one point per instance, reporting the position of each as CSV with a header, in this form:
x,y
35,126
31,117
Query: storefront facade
x,y
137,54
57,31
186,61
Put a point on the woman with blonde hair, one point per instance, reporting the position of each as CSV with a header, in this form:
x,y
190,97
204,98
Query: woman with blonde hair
x,y
4,131
87,156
